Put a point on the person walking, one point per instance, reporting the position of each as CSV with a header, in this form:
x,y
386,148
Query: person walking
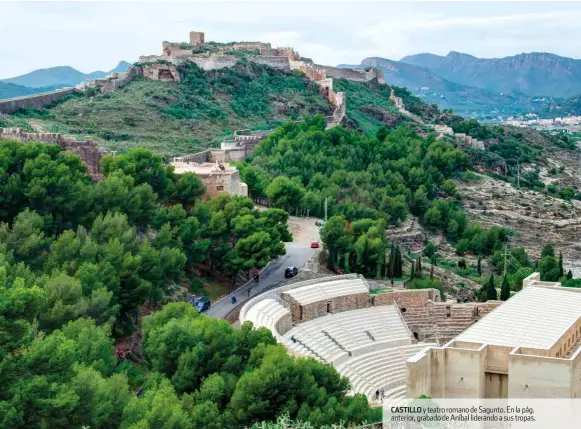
x,y
377,394
249,290
382,393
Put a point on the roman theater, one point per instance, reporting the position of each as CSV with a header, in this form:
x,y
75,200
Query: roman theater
x,y
409,343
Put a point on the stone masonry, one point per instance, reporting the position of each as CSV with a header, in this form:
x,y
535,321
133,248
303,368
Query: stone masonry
x,y
320,308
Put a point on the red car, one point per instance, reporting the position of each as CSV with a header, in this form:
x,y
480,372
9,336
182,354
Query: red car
x,y
314,244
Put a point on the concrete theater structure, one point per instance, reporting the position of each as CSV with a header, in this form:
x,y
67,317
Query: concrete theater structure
x,y
528,347
365,336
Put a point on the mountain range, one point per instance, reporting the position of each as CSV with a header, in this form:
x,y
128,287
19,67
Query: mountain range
x,y
485,88
44,80
534,74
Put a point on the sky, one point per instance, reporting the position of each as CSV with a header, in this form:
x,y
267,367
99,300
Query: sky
x,y
93,36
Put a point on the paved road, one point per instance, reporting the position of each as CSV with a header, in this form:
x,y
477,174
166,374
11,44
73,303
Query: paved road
x,y
297,254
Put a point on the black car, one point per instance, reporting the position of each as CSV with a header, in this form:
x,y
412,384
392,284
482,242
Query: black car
x,y
202,304
291,272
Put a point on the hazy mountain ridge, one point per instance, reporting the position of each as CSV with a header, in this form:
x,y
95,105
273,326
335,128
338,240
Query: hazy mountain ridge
x,y
533,74
60,76
464,99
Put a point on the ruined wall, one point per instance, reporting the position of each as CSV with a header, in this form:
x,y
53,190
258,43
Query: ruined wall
x,y
35,101
197,38
303,313
86,149
431,320
114,81
356,75
213,62
281,63
158,71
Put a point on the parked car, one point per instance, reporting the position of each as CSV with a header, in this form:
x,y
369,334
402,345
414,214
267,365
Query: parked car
x,y
202,304
290,272
315,244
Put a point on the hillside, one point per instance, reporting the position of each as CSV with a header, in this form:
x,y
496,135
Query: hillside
x,y
176,118
536,73
568,107
62,75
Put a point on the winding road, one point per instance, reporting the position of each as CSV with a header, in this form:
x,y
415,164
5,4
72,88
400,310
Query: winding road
x,y
298,252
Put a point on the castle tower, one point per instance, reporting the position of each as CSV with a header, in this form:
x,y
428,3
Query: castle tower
x,y
196,38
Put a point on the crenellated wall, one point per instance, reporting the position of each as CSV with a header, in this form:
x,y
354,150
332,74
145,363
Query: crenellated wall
x,y
35,101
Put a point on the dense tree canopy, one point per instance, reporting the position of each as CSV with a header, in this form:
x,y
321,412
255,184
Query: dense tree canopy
x,y
79,258
383,177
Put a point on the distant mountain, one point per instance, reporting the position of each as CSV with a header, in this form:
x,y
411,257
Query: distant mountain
x,y
534,74
10,90
62,75
463,99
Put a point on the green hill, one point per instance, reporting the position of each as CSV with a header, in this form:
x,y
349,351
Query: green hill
x,y
175,118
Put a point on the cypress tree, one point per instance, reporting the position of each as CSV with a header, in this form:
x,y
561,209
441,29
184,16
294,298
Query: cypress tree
x,y
398,270
432,272
391,265
413,271
419,270
479,266
569,275
490,289
561,271
505,289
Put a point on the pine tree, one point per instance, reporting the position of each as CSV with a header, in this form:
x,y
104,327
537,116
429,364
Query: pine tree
x,y
569,275
505,289
561,271
479,268
490,289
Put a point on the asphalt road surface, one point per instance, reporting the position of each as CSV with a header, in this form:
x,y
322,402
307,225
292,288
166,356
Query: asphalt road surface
x,y
297,254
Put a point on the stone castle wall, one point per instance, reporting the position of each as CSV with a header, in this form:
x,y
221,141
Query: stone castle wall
x,y
86,149
356,75
34,101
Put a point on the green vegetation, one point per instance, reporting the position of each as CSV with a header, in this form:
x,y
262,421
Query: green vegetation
x,y
368,106
78,261
175,118
380,177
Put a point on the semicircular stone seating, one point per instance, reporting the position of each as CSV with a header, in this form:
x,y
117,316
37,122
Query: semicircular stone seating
x,y
267,313
369,346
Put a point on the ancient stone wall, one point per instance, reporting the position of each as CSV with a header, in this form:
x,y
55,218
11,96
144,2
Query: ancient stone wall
x,y
35,101
284,324
356,75
197,38
281,63
213,62
303,313
432,320
86,149
158,71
